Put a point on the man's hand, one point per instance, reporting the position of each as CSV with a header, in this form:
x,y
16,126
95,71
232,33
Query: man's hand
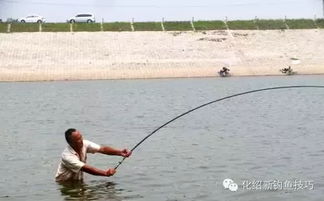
x,y
125,153
94,171
110,172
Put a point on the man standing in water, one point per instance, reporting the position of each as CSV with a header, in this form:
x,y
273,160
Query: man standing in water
x,y
74,157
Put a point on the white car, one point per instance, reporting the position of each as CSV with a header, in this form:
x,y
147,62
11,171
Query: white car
x,y
85,17
32,19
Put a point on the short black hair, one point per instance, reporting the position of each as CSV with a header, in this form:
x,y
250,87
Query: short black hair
x,y
68,134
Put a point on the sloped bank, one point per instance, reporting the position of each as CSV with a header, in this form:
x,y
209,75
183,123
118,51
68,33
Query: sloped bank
x,y
128,55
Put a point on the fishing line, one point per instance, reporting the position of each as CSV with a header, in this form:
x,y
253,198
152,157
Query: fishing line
x,y
215,101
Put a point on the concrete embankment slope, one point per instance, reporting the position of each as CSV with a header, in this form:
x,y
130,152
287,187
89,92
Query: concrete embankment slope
x,y
123,55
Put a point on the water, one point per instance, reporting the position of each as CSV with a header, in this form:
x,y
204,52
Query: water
x,y
266,136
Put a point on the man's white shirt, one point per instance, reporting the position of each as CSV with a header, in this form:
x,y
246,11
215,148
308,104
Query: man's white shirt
x,y
71,163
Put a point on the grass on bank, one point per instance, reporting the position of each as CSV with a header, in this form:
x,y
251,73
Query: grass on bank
x,y
301,24
242,25
320,23
56,27
209,25
89,27
270,24
19,27
147,26
3,27
117,26
177,26
169,26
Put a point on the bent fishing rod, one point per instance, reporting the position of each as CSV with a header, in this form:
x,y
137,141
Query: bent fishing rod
x,y
215,101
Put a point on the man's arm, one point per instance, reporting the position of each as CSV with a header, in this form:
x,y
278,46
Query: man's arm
x,y
95,171
112,151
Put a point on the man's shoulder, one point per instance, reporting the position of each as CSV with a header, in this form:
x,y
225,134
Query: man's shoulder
x,y
87,142
91,146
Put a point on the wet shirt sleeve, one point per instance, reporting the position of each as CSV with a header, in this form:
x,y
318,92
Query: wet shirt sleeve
x,y
91,146
72,162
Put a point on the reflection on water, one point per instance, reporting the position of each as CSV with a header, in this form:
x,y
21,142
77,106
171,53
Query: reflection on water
x,y
78,190
94,190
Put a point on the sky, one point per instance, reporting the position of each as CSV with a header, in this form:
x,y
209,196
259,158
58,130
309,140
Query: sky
x,y
155,10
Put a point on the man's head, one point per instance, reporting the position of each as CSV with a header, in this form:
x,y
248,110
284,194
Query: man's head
x,y
74,138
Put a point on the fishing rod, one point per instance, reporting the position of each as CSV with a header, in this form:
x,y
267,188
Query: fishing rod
x,y
215,101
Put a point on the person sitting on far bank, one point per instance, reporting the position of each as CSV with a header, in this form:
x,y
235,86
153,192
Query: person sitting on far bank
x,y
224,71
73,162
288,70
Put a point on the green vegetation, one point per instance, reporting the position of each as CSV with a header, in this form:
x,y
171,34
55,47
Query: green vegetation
x,y
242,25
270,24
169,26
147,26
117,26
209,25
301,24
55,27
86,27
177,26
19,27
320,23
3,27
